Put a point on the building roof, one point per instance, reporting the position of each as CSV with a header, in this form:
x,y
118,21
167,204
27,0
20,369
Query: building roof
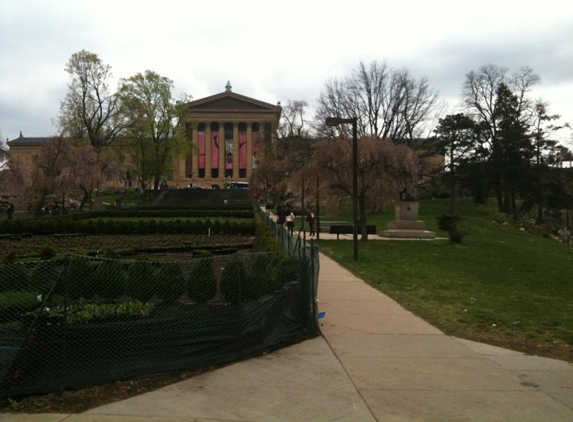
x,y
29,141
230,101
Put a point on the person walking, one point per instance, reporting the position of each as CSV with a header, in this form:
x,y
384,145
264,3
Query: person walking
x,y
310,219
289,218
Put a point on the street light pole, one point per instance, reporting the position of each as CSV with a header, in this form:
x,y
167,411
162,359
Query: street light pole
x,y
335,121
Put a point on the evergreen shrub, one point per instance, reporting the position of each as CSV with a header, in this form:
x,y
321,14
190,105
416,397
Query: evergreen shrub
x,y
13,277
78,278
109,279
448,223
44,276
202,284
259,282
233,278
171,282
141,280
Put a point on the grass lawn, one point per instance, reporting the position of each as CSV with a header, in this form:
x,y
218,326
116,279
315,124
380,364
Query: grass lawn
x,y
501,286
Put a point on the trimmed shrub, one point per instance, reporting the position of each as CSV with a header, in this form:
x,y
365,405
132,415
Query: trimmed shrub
x,y
109,279
47,253
13,277
78,279
233,278
284,269
448,223
265,240
259,281
141,280
202,284
43,276
10,258
171,282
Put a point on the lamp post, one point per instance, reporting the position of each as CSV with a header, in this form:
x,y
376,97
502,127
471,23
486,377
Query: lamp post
x,y
335,121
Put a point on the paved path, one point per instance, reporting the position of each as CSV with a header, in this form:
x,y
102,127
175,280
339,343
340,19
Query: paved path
x,y
374,362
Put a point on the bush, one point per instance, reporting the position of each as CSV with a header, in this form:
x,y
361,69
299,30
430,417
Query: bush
x,y
265,241
47,253
259,281
13,304
43,276
285,270
448,223
202,285
83,313
109,279
78,279
13,277
171,282
233,278
10,258
141,280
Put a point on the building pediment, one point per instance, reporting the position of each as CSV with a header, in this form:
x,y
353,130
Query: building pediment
x,y
232,102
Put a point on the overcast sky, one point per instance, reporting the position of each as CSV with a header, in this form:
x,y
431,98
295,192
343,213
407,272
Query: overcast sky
x,y
274,51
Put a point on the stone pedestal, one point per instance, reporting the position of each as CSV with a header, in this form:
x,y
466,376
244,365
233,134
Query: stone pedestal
x,y
407,225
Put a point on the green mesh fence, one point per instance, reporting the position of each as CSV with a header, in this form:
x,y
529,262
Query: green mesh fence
x,y
76,321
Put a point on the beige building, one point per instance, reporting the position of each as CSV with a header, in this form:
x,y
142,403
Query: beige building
x,y
24,150
225,131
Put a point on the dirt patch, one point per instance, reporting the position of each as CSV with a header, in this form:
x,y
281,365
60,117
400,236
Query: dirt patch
x,y
77,401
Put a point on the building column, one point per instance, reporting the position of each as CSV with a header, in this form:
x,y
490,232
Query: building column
x,y
222,151
249,149
235,150
194,152
208,150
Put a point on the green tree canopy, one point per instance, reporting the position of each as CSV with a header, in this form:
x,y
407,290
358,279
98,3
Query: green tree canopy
x,y
152,118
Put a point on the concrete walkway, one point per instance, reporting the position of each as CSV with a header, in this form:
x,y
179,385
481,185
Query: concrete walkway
x,y
375,362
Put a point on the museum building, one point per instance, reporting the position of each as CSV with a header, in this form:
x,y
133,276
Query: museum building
x,y
226,131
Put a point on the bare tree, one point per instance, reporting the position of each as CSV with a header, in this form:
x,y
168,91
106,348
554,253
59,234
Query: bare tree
x,y
480,93
45,178
384,170
293,122
388,103
3,152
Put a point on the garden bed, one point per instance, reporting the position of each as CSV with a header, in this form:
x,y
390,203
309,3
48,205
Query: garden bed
x,y
181,245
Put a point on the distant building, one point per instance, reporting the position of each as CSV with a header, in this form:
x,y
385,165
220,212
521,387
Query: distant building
x,y
24,150
225,132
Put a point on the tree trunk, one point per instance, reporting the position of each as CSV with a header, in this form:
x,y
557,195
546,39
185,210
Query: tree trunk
x,y
85,199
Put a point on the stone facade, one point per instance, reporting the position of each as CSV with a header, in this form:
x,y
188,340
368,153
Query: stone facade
x,y
226,133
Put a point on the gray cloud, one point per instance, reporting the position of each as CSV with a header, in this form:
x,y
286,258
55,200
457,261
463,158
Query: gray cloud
x,y
271,56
